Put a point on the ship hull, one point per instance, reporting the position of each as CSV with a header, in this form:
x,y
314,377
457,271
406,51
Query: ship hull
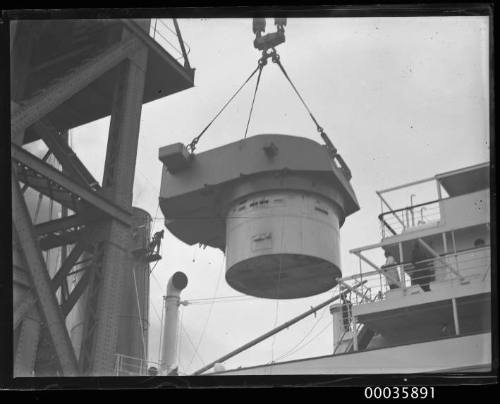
x,y
471,353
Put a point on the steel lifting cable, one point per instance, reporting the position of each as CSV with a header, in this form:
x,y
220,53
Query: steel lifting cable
x,y
262,63
194,142
276,59
331,148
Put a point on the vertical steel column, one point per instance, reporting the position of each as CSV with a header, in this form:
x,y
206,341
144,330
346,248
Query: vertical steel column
x,y
118,182
355,333
134,317
439,193
455,316
13,31
401,267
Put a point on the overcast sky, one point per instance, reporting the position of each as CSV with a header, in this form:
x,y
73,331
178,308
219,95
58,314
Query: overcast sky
x,y
401,98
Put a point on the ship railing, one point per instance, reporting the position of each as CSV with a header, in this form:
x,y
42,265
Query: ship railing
x,y
167,34
410,218
463,266
355,327
131,366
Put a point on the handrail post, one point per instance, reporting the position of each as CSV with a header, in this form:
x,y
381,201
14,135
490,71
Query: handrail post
x,y
455,316
436,255
181,44
389,207
355,333
154,29
401,267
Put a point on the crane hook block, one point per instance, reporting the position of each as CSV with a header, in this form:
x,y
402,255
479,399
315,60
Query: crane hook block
x,y
269,41
259,25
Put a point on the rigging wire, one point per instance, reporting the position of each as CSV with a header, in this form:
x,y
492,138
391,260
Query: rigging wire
x,y
152,269
154,220
261,66
161,247
189,303
157,281
277,288
294,348
141,324
149,181
194,142
314,337
202,299
276,59
332,150
192,345
209,312
156,311
156,213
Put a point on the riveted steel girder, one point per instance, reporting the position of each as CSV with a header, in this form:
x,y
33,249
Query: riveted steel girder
x,y
70,162
75,293
37,107
41,282
57,281
45,170
101,330
27,344
61,224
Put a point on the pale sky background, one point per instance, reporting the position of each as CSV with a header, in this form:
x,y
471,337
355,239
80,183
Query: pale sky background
x,y
401,98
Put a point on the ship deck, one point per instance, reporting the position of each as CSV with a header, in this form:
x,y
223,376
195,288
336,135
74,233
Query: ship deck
x,y
470,352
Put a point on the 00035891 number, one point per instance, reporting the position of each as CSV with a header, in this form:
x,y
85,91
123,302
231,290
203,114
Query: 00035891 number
x,y
397,392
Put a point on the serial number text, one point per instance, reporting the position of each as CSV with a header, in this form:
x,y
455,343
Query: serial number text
x,y
397,392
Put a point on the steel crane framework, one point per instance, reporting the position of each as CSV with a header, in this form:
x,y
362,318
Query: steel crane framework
x,y
65,73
